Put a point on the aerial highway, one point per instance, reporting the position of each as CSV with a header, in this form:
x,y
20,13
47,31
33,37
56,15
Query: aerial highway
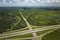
x,y
30,30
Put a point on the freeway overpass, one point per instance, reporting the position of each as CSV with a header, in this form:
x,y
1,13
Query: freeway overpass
x,y
6,35
30,30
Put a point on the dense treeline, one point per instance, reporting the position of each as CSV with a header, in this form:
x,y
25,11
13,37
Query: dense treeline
x,y
36,17
8,18
42,17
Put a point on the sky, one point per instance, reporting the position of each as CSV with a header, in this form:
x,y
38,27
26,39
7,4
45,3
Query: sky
x,y
30,3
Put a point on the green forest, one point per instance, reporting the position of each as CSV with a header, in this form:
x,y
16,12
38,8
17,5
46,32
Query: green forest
x,y
36,17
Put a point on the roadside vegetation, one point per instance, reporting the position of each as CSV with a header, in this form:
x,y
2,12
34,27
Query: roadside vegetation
x,y
36,17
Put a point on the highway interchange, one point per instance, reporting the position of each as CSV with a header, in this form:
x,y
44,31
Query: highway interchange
x,y
31,30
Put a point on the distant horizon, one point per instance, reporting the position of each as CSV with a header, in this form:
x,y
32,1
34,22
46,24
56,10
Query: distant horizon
x,y
16,8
